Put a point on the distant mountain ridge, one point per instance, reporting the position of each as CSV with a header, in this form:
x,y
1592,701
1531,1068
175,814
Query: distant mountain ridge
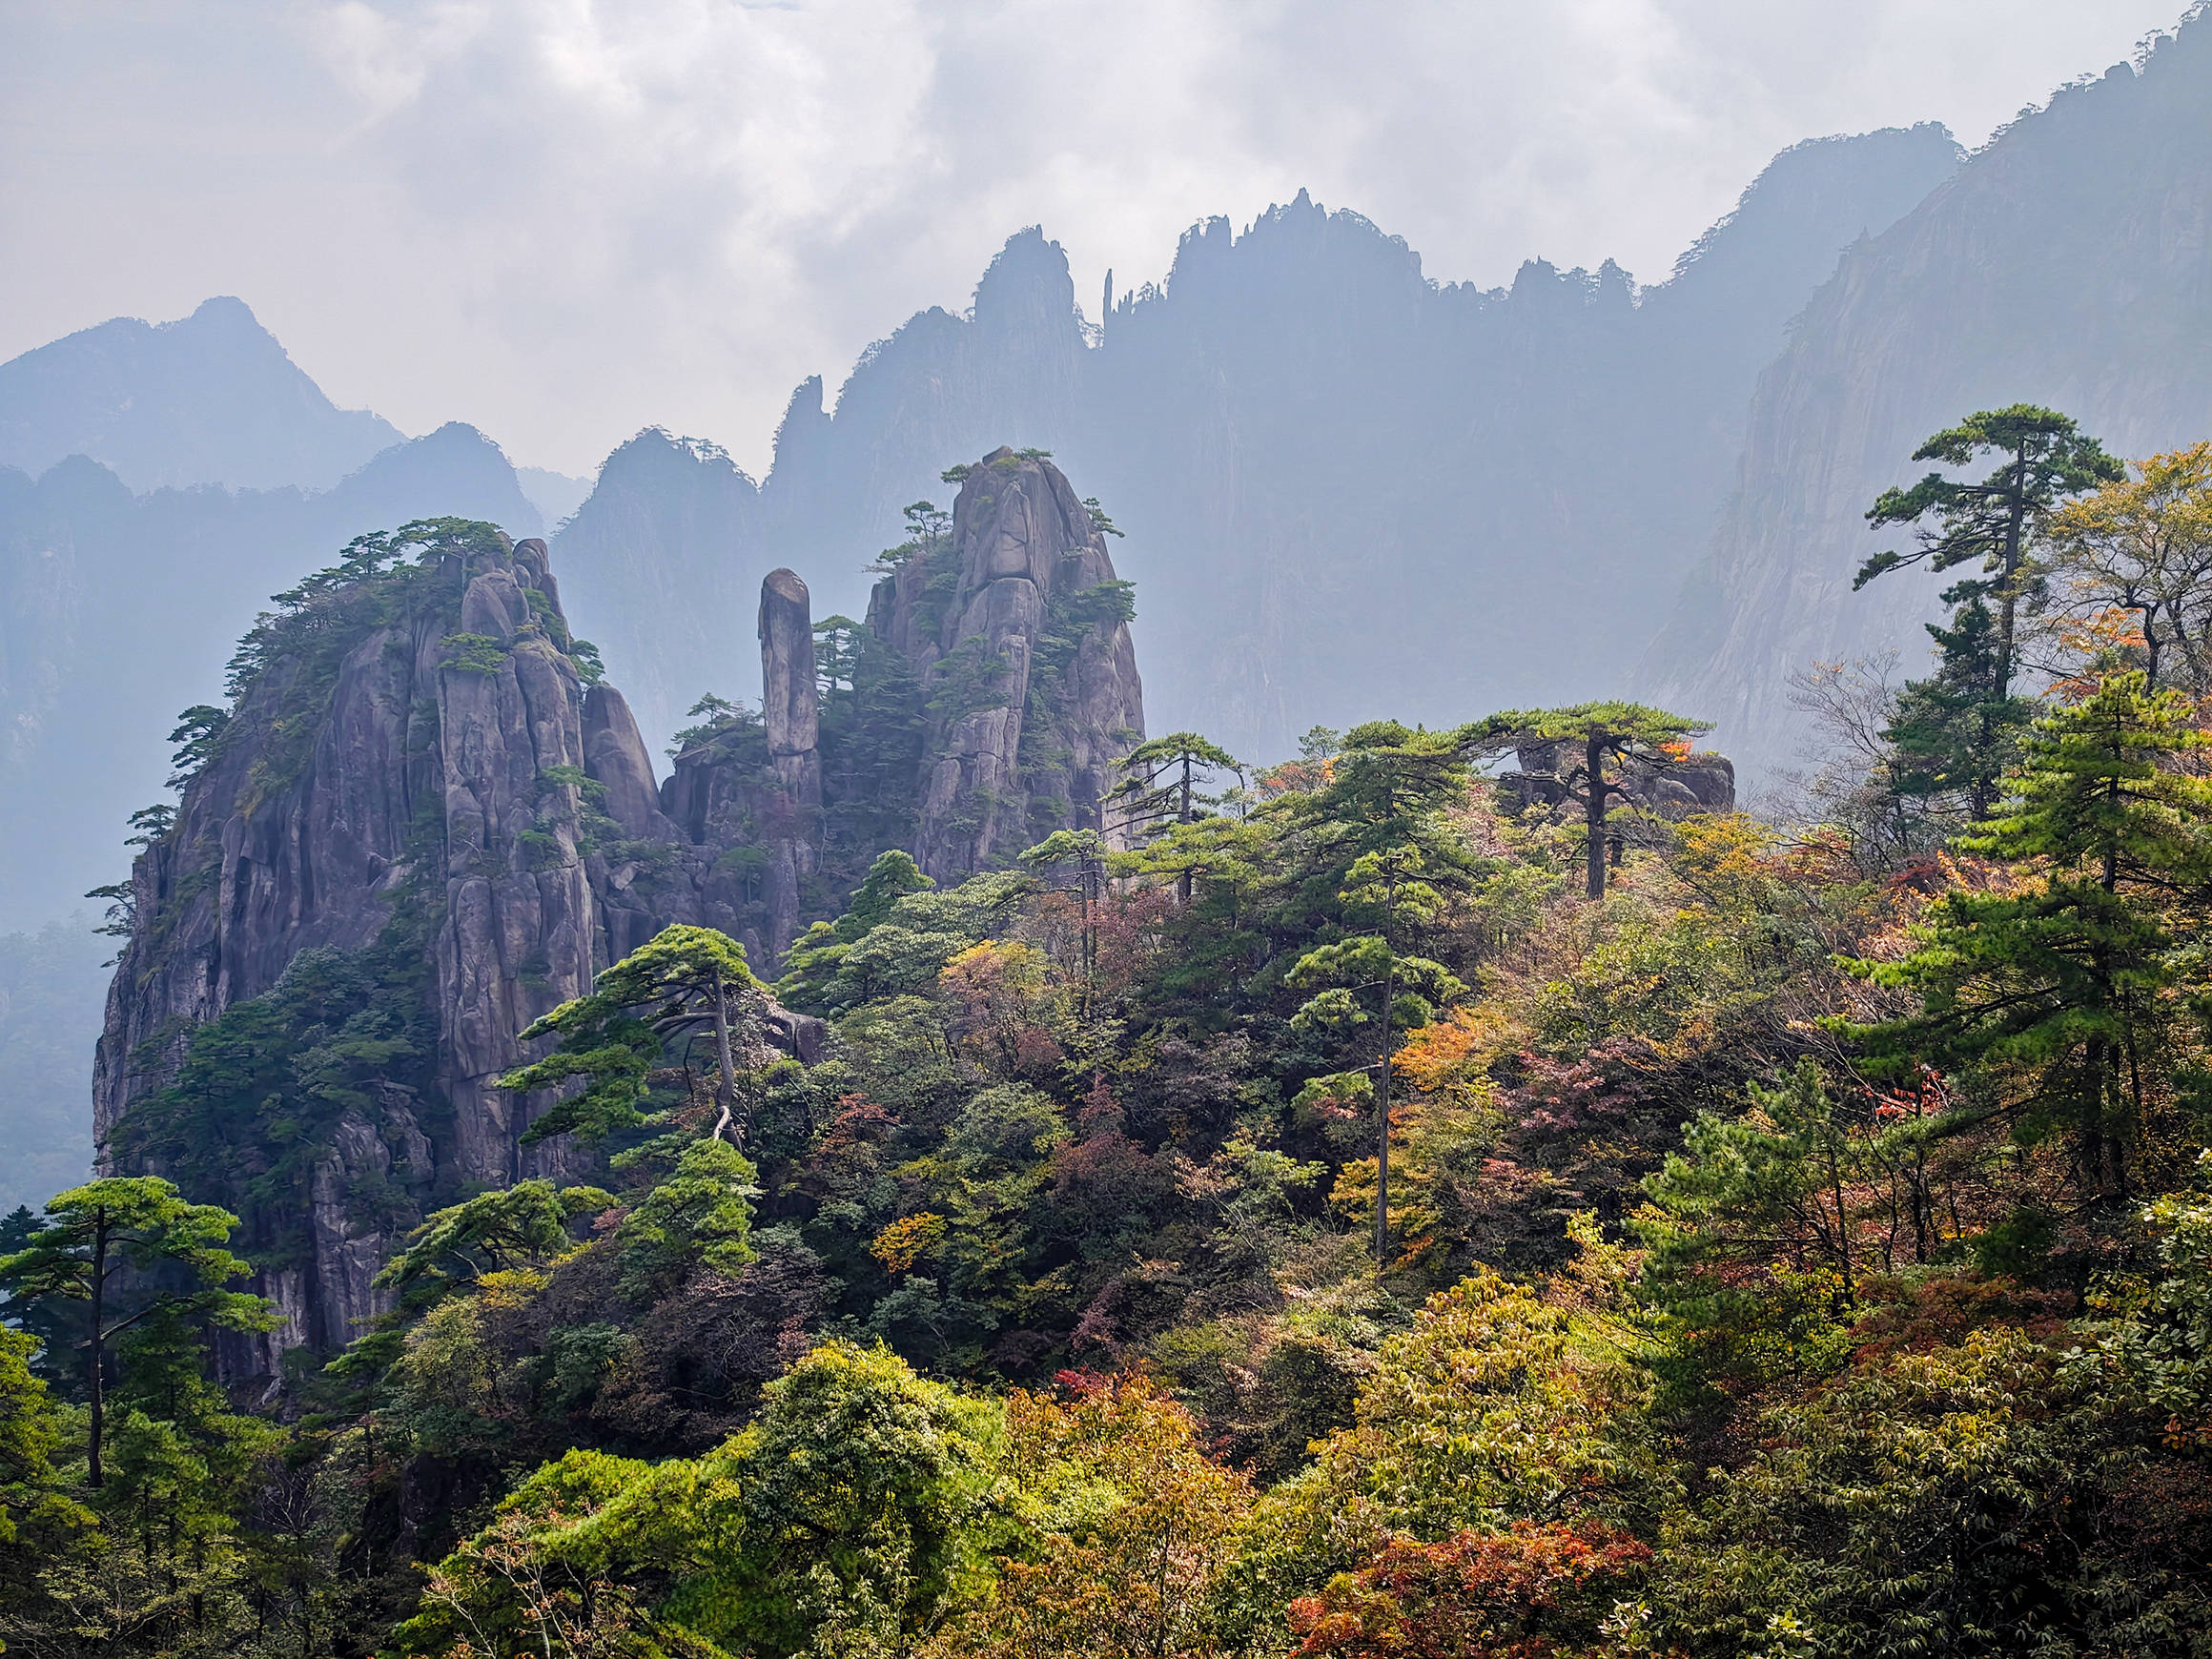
x,y
1343,486
210,398
117,609
2068,263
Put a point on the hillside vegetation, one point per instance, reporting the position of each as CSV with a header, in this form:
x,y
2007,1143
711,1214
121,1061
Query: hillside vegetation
x,y
1450,1194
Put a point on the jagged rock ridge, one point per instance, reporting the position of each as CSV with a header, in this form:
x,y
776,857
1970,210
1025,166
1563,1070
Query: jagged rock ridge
x,y
1348,486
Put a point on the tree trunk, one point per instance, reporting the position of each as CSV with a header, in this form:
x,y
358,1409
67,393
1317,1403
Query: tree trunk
x,y
1984,792
1183,887
725,1091
2015,526
1595,783
1382,1133
98,1344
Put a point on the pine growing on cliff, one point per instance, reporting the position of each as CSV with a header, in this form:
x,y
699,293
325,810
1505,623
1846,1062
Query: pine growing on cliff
x,y
1994,522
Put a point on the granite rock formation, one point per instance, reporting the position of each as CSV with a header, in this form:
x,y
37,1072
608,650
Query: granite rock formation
x,y
1028,721
445,764
993,684
792,718
1703,782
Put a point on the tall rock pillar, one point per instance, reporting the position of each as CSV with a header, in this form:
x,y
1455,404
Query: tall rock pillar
x,y
792,713
1032,672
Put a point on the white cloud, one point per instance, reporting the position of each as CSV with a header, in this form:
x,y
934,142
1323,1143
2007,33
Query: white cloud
x,y
562,219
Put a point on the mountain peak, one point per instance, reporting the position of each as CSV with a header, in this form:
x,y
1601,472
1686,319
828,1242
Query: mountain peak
x,y
224,310
212,398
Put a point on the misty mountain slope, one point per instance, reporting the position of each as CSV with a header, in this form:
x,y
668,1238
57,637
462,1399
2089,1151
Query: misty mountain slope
x,y
556,495
210,398
661,568
2069,263
53,987
1444,499
117,610
1343,486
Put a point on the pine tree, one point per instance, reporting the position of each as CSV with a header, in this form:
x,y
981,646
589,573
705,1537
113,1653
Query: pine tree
x,y
132,1249
1379,826
2063,985
2046,458
1946,729
1606,740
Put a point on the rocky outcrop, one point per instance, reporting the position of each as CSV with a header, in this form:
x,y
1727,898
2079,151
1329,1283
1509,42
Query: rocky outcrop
x,y
519,923
1008,633
1031,679
1697,783
440,767
447,779
789,713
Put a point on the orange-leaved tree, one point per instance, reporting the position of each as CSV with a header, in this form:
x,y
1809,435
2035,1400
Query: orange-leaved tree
x,y
1129,1525
1533,1591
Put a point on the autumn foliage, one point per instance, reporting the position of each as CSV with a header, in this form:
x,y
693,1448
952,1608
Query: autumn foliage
x,y
1532,1591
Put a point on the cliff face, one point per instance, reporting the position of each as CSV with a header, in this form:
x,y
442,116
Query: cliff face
x,y
436,772
2068,264
1034,680
979,707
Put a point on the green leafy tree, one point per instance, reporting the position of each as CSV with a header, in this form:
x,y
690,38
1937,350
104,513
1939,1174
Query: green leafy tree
x,y
1378,826
1492,1408
131,1248
198,737
684,981
32,1503
491,1233
2044,459
2143,546
2069,980
717,717
1603,740
1082,853
1164,784
814,961
702,1211
857,1510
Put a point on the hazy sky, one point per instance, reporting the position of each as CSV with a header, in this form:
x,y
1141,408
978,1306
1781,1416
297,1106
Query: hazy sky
x,y
564,220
